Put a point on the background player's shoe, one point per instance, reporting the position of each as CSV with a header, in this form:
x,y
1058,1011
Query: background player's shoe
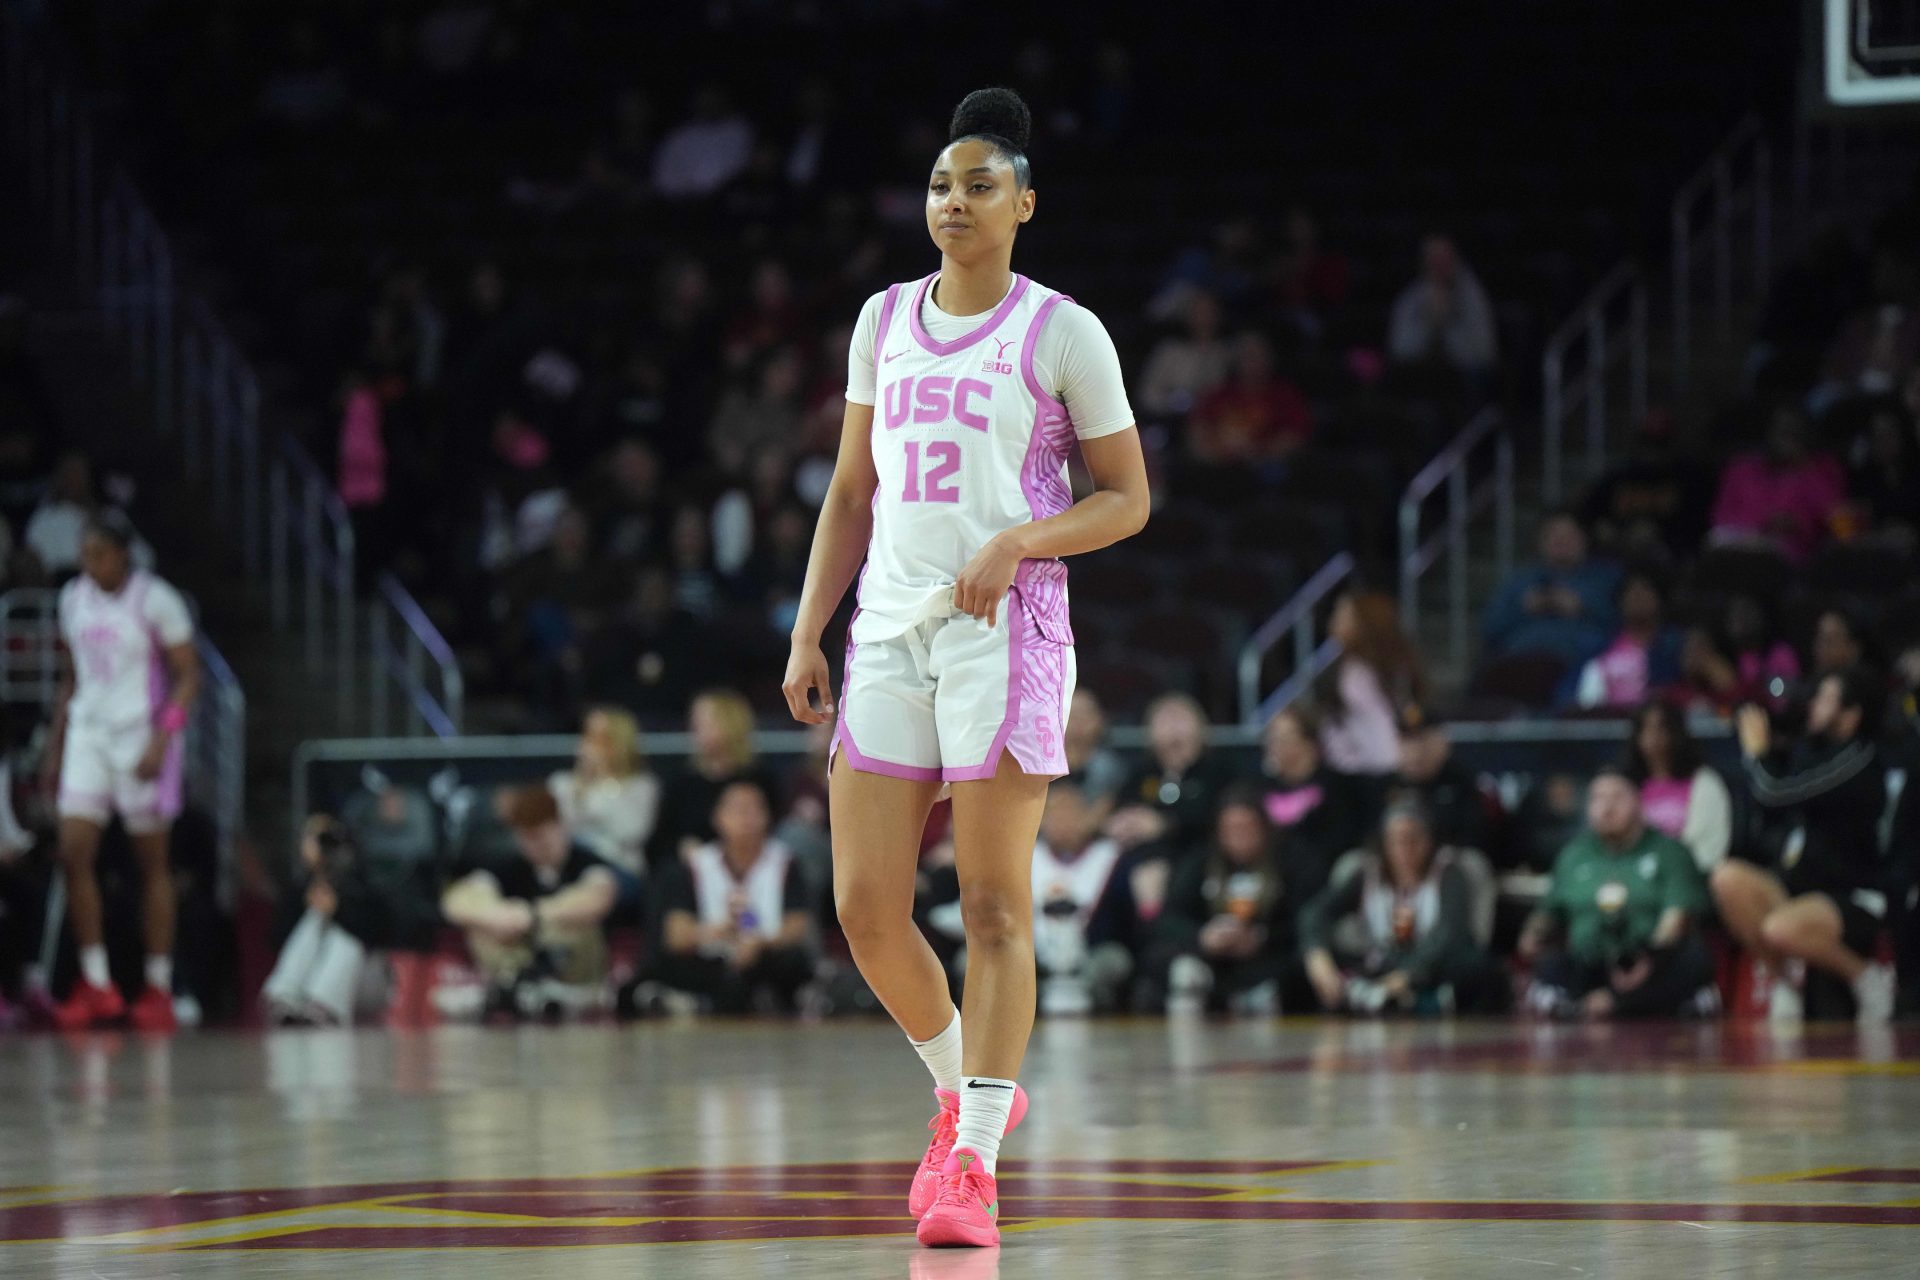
x,y
152,1011
967,1212
88,1006
945,1122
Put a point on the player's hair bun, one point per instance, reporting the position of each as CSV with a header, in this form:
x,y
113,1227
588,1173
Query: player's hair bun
x,y
996,112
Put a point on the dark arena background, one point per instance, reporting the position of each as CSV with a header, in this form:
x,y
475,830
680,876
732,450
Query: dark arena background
x,y
1486,848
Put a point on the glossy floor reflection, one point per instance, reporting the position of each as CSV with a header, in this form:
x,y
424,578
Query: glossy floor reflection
x,y
1153,1149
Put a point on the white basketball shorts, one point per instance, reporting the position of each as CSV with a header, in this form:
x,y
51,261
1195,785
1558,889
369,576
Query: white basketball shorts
x,y
941,699
97,779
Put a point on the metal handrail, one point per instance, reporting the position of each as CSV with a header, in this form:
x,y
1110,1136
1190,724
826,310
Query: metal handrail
x,y
1296,616
407,667
217,750
204,392
1464,503
1713,191
1607,327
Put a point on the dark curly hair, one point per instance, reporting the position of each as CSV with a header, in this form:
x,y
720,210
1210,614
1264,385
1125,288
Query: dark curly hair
x,y
999,118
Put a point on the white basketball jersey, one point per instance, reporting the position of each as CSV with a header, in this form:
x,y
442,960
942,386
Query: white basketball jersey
x,y
118,644
756,903
1081,881
967,444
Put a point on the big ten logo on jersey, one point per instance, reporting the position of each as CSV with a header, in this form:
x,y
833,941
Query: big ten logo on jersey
x,y
999,363
937,399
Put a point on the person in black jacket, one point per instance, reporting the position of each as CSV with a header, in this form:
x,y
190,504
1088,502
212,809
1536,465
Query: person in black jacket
x,y
1321,812
330,918
1226,933
1824,901
1447,789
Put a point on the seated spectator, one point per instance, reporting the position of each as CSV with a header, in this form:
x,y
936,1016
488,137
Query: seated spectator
x,y
1083,912
1172,796
652,655
53,531
1562,605
1409,909
610,800
1883,478
1226,936
758,415
333,916
1101,770
1741,660
535,920
1456,806
1653,503
1840,643
1784,497
1680,793
806,828
1322,812
721,723
1822,898
1444,316
702,155
736,923
1644,657
1225,268
1360,694
1255,416
1615,936
1182,369
1876,346
1548,817
1310,280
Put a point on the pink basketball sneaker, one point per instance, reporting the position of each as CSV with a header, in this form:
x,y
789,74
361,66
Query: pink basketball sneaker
x,y
967,1212
926,1179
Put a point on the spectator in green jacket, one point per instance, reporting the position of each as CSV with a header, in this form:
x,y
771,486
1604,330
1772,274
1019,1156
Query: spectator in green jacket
x,y
1615,935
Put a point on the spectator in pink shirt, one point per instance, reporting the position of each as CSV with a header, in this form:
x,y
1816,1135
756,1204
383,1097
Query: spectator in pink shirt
x,y
1784,496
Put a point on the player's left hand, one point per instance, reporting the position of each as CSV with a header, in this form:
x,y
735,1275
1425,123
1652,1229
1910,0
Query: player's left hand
x,y
152,758
984,583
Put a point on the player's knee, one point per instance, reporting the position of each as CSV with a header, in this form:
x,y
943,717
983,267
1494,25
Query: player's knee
x,y
865,919
994,916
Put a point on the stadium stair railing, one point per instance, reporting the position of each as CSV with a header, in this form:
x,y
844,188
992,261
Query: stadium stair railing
x,y
205,396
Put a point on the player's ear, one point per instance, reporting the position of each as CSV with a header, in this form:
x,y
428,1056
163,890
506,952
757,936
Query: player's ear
x,y
1027,198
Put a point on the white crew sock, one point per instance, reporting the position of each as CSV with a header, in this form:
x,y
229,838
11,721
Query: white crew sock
x,y
942,1054
160,974
93,967
986,1104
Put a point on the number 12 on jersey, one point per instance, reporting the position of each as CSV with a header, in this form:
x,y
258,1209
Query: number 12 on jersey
x,y
943,459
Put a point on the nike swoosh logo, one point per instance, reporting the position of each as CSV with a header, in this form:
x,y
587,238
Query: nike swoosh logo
x,y
975,1084
895,356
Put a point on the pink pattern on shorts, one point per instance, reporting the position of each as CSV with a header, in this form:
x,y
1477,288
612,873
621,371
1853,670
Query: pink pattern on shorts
x,y
1038,740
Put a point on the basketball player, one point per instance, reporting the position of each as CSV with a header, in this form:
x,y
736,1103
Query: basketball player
x,y
128,686
966,392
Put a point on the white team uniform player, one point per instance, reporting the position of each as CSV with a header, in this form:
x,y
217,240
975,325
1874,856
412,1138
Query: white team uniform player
x,y
118,644
974,418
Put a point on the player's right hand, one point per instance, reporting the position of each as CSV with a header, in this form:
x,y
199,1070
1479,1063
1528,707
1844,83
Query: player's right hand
x,y
807,671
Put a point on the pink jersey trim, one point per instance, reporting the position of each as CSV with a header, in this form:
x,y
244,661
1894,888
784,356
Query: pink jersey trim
x,y
1043,583
1040,393
843,736
965,340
